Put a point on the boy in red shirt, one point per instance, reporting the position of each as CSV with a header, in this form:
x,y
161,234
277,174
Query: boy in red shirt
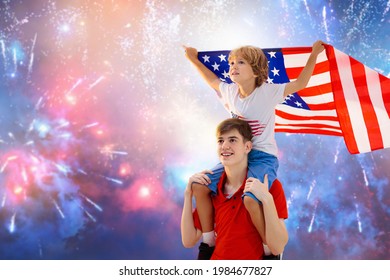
x,y
237,237
250,98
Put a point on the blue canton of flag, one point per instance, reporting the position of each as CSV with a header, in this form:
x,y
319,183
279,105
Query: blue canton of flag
x,y
217,61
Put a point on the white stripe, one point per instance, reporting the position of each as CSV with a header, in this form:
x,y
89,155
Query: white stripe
x,y
280,120
375,92
299,60
319,79
319,99
306,113
352,100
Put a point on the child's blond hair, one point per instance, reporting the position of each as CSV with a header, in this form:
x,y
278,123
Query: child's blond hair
x,y
256,59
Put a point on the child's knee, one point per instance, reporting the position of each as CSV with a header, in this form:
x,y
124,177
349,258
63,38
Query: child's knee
x,y
199,189
250,203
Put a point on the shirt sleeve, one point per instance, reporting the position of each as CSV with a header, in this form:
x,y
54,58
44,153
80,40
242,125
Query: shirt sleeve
x,y
226,92
277,193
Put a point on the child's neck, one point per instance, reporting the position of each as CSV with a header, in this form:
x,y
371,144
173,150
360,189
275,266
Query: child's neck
x,y
246,89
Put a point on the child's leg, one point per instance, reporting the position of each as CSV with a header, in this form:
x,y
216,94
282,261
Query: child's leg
x,y
217,173
205,212
255,210
259,164
205,206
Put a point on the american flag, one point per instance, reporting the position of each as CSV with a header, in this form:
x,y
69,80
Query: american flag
x,y
343,96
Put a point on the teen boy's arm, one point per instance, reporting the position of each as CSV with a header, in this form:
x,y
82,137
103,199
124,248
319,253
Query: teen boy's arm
x,y
211,79
190,235
304,77
276,235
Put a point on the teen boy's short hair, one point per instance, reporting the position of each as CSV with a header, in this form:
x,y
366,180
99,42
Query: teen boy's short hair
x,y
242,127
257,60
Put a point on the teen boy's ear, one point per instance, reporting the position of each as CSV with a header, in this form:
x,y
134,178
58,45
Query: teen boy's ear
x,y
248,146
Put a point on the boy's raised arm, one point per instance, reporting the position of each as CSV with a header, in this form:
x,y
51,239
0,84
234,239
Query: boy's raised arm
x,y
211,79
304,77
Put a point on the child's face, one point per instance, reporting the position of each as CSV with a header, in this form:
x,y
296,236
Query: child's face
x,y
240,70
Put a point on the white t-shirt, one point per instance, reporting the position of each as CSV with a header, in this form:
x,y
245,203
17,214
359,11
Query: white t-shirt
x,y
258,109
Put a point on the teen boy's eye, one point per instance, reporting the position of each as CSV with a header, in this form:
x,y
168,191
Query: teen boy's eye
x,y
220,142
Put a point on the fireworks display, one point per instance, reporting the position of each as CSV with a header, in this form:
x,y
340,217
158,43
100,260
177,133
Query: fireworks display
x,y
103,120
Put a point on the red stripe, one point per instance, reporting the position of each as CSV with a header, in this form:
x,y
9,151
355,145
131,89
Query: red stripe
x,y
321,67
296,50
322,107
341,106
294,72
310,131
310,125
315,91
257,125
385,87
251,122
369,115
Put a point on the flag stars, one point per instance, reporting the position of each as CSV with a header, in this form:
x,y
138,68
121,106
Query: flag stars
x,y
222,57
272,54
270,81
225,74
275,72
215,66
299,104
206,58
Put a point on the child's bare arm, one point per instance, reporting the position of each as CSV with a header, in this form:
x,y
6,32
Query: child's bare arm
x,y
307,71
211,79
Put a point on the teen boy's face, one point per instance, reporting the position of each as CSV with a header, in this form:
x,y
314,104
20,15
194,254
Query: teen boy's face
x,y
232,148
240,70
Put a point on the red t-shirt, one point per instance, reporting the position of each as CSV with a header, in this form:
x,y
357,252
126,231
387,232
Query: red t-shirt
x,y
237,237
